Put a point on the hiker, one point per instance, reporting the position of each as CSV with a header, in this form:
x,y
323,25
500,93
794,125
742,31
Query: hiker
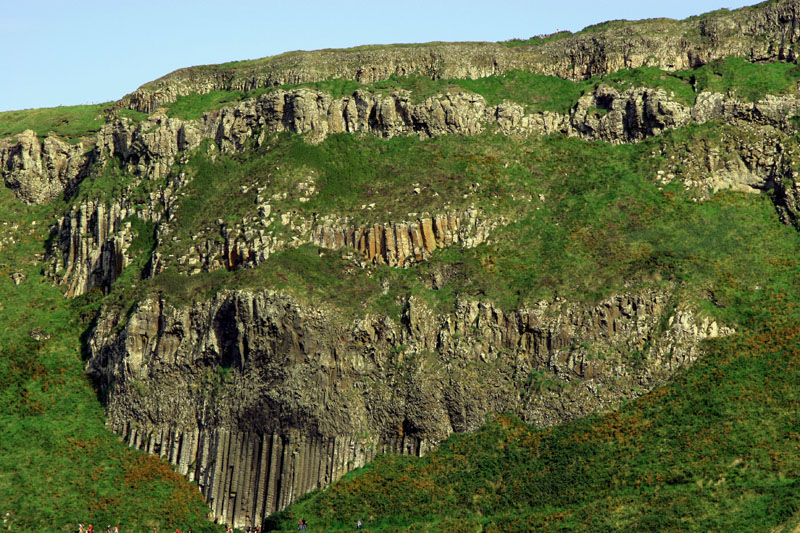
x,y
108,528
80,528
116,529
358,524
300,525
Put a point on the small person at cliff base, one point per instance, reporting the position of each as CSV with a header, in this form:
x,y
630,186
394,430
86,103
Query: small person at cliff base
x,y
358,524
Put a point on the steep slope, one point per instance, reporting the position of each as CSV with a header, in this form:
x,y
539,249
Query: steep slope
x,y
279,284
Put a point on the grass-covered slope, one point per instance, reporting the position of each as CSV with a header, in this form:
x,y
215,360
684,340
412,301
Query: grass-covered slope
x,y
584,220
715,450
58,464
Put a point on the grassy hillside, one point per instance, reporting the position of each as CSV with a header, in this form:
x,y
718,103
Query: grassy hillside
x,y
715,450
58,464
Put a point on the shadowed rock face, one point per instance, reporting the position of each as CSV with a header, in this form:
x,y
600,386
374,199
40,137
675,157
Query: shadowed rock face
x,y
764,33
253,386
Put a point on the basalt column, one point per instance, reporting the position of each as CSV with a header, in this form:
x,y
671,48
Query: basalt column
x,y
246,476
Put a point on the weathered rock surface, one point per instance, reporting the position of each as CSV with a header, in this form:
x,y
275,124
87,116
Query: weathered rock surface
x,y
767,32
39,172
92,241
260,398
405,243
149,149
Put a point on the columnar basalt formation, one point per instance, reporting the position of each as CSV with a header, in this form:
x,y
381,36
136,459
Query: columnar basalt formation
x,y
261,397
92,239
402,244
41,171
149,149
245,476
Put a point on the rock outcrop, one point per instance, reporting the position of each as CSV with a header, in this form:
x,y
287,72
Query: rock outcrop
x,y
40,171
260,398
91,246
402,244
149,149
767,32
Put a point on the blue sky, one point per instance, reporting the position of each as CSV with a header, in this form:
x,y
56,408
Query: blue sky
x,y
90,51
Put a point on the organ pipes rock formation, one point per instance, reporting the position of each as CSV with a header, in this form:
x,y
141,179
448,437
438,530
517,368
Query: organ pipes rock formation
x,y
260,398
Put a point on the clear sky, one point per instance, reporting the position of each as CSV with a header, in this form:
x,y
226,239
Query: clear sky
x,y
61,52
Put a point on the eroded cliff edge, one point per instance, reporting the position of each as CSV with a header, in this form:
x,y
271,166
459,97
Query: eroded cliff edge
x,y
260,398
766,32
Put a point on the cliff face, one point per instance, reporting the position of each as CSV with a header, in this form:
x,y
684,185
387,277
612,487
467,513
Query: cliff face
x,y
151,148
39,172
261,398
763,33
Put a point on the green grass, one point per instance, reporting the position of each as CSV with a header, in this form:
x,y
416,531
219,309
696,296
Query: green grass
x,y
748,81
605,224
58,463
192,107
716,449
73,123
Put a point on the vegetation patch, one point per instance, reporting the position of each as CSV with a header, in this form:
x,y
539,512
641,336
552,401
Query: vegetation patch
x,y
70,122
59,465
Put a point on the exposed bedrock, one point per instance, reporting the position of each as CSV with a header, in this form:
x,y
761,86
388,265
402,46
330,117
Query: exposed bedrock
x,y
42,171
405,243
90,242
148,150
766,33
90,245
399,244
260,397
